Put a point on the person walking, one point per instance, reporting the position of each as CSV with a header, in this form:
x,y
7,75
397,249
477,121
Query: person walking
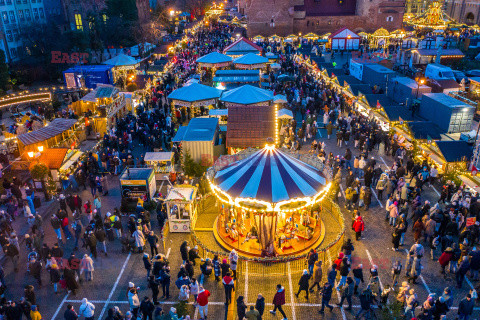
x,y
241,307
465,308
228,286
279,301
87,267
303,284
233,258
317,276
87,309
260,305
358,226
139,239
56,225
311,259
346,293
147,308
252,314
202,301
70,313
326,297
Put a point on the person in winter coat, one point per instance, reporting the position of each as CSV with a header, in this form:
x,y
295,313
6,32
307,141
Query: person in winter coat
x,y
193,255
233,258
54,276
71,280
332,274
153,285
241,307
326,297
153,242
358,226
194,288
260,306
228,285
216,267
147,264
462,271
202,301
393,209
416,270
87,266
87,309
303,284
279,301
317,276
139,239
465,308
133,300
346,293
70,313
445,259
225,267
35,314
184,251
418,228
147,308
348,248
311,259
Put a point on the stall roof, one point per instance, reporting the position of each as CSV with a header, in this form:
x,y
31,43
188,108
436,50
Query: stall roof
x,y
425,130
180,193
136,174
54,157
195,92
214,57
285,114
394,113
198,129
250,58
102,91
280,98
348,79
242,46
378,68
121,60
158,156
445,52
237,76
361,88
408,82
56,127
218,112
454,151
246,95
383,99
446,100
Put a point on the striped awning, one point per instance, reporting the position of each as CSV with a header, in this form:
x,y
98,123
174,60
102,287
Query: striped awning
x,y
270,175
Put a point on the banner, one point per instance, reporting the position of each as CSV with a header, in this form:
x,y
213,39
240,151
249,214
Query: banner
x,y
356,69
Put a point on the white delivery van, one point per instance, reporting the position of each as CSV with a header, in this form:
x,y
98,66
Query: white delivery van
x,y
437,71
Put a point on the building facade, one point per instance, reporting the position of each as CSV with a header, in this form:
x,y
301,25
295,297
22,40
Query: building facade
x,y
464,11
284,17
416,7
15,15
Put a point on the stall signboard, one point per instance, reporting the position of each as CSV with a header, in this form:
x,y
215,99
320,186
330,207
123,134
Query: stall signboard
x,y
152,185
133,191
471,221
179,225
356,69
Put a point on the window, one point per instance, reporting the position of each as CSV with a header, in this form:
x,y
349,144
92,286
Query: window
x,y
35,13
20,15
27,14
41,13
9,1
12,15
78,21
25,1
19,1
15,34
2,2
13,52
9,36
34,1
5,16
389,19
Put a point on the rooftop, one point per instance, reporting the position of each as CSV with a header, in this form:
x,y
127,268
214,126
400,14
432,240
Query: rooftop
x,y
446,100
198,129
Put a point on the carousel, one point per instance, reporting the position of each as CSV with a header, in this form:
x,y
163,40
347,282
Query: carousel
x,y
271,204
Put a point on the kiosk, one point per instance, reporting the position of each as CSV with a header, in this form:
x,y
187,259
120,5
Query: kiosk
x,y
161,162
181,207
138,183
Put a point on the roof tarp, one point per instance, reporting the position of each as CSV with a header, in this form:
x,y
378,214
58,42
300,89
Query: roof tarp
x,y
198,129
218,112
242,46
195,92
121,60
455,151
425,130
180,134
214,57
285,114
250,58
246,95
158,156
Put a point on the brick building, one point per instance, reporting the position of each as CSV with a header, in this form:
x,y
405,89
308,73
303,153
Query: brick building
x,y
283,17
463,11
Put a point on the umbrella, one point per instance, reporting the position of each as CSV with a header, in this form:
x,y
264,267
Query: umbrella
x,y
285,78
279,98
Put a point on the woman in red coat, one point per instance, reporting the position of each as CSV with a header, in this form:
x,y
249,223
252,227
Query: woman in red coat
x,y
279,301
445,258
358,226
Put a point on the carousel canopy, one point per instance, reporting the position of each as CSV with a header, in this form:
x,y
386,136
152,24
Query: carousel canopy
x,y
121,60
250,59
195,92
270,175
246,95
214,58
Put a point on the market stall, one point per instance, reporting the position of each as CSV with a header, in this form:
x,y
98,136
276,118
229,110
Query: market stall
x,y
137,183
251,61
181,207
161,162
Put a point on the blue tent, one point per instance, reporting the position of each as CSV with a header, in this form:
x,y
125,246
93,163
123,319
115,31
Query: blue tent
x,y
250,59
198,129
246,95
270,175
214,58
195,92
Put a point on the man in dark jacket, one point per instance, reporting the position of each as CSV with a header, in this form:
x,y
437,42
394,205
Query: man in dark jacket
x,y
260,305
193,254
303,283
70,313
326,296
26,307
347,293
13,311
465,308
11,251
147,308
312,258
184,251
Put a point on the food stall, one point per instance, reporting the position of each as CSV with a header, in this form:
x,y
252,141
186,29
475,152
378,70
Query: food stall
x,y
136,183
161,162
181,207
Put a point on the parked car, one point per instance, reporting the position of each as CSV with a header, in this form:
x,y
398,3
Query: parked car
x,y
459,76
473,73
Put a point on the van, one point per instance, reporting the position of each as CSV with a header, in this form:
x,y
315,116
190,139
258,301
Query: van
x,y
437,71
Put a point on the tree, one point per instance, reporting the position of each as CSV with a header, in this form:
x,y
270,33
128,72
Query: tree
x,y
40,172
124,9
4,75
190,167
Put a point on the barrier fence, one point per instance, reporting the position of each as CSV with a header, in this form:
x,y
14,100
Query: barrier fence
x,y
278,265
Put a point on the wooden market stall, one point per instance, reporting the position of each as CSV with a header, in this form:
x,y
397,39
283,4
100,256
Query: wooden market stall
x,y
161,162
137,183
59,132
181,207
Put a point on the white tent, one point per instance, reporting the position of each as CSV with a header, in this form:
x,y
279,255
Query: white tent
x,y
345,39
285,114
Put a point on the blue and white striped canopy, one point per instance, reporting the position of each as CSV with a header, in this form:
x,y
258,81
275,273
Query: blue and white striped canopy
x,y
270,175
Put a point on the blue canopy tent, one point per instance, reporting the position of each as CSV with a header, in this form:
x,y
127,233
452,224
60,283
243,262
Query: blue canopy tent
x,y
250,61
195,95
214,59
246,95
